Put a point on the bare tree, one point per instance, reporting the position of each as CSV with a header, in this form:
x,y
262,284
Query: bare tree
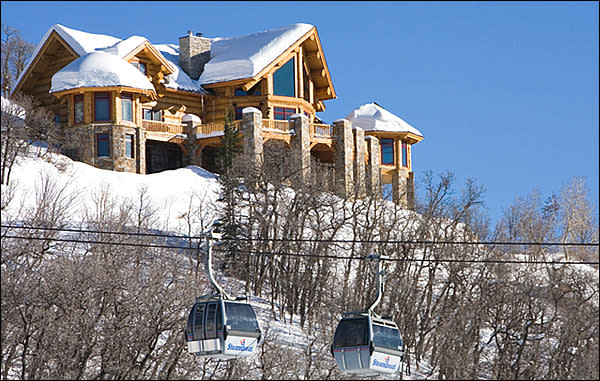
x,y
15,53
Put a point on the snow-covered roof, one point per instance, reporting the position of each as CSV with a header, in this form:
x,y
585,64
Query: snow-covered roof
x,y
245,56
84,43
372,117
99,69
231,58
124,47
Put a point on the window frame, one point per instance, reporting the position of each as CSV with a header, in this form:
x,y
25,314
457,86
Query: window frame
x,y
285,112
387,142
102,95
78,99
277,78
124,98
152,114
404,155
102,137
129,146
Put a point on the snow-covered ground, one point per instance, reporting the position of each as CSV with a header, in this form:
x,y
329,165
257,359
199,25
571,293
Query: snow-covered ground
x,y
177,194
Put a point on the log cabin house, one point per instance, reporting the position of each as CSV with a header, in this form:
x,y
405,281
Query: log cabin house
x,y
136,106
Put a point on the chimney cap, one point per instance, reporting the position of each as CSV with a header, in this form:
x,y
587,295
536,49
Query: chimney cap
x,y
190,33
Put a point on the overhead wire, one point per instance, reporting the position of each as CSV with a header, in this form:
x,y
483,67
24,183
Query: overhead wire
x,y
416,242
287,253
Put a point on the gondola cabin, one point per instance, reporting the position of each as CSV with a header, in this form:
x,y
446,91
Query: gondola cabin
x,y
222,329
367,345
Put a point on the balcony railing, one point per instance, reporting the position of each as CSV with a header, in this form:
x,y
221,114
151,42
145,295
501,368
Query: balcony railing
x,y
316,130
170,128
321,130
281,125
216,128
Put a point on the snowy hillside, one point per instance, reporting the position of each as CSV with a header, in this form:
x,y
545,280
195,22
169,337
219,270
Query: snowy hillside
x,y
184,199
121,308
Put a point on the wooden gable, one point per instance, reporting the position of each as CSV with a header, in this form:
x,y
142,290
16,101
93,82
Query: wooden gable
x,y
313,55
55,54
147,52
313,58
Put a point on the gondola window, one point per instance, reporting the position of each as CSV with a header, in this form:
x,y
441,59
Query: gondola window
x,y
211,321
241,317
352,332
386,337
198,319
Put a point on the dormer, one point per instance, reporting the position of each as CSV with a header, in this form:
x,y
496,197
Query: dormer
x,y
149,61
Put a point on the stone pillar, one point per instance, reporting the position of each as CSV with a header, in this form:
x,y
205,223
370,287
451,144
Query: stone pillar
x,y
191,122
140,149
344,171
373,172
360,153
301,147
252,131
410,191
399,186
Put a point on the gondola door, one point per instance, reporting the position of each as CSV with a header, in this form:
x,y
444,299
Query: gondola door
x,y
213,328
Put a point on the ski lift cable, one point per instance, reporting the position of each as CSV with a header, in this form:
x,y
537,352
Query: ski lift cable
x,y
415,242
324,256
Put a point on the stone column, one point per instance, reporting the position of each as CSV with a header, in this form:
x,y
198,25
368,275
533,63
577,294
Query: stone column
x,y
252,131
191,122
399,186
360,153
301,147
140,147
373,172
410,191
344,171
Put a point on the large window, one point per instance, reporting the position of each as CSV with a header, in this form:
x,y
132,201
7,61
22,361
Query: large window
x,y
129,152
283,113
387,151
127,107
78,109
283,80
102,147
404,155
101,107
150,114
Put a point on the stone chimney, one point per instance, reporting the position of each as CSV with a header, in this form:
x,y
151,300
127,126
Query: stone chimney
x,y
194,53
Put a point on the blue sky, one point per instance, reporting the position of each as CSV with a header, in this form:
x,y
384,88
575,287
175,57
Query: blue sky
x,y
504,92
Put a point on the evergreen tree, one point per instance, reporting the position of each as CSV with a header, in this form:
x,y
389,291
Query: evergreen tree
x,y
230,145
230,148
